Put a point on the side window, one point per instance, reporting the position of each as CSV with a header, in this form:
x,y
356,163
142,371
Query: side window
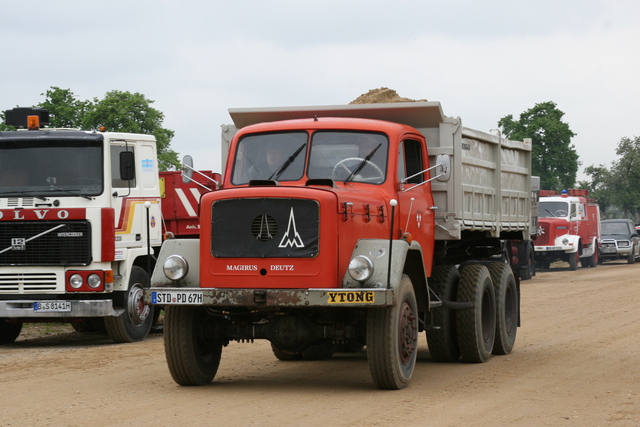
x,y
411,162
116,182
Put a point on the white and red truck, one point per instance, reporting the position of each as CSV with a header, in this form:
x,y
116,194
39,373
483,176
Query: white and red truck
x,y
339,227
80,225
568,229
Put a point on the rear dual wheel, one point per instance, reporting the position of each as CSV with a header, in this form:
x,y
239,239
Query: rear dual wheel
x,y
507,307
443,342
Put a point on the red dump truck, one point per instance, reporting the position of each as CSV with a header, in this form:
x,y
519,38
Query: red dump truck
x,y
344,227
82,217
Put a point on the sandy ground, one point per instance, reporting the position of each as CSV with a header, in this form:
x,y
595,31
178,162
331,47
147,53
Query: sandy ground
x,y
576,363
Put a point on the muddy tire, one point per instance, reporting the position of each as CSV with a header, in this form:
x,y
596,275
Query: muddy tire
x,y
135,323
507,307
477,325
392,340
443,342
191,345
9,332
573,261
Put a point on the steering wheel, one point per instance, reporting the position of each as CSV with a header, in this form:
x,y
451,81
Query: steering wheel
x,y
560,212
341,167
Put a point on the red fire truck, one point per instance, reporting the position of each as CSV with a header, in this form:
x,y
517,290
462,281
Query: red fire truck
x,y
568,229
82,216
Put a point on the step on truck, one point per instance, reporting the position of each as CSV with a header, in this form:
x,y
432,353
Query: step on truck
x,y
568,229
339,228
81,224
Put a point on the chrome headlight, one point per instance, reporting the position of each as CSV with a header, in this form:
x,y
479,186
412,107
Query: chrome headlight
x,y
360,268
93,281
565,241
175,267
75,281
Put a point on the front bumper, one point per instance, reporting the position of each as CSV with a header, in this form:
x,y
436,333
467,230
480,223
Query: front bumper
x,y
568,249
262,298
60,308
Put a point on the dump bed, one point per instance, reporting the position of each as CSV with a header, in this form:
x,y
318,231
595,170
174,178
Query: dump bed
x,y
490,185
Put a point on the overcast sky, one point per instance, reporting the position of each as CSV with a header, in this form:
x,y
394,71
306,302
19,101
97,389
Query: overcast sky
x,y
482,60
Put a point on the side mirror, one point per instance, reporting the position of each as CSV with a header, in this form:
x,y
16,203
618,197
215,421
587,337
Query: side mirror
x,y
187,169
127,166
445,163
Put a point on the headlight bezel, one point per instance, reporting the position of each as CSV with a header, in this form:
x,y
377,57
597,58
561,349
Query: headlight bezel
x,y
175,267
360,268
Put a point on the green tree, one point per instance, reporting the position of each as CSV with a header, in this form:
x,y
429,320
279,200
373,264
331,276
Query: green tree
x,y
118,112
554,159
65,109
127,112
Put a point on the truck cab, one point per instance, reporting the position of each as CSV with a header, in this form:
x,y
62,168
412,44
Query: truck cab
x,y
568,229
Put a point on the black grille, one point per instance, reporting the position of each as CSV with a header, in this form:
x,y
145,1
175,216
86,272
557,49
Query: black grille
x,y
265,228
45,243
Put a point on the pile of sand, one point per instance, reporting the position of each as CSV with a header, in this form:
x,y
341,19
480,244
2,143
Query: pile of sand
x,y
384,94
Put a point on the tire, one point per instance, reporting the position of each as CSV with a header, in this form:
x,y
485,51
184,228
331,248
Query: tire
x,y
392,339
443,342
9,332
631,259
284,355
191,346
593,260
507,307
573,261
135,323
477,325
320,351
585,262
529,270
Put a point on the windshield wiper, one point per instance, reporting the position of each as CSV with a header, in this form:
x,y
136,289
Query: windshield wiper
x,y
362,163
8,193
274,176
70,191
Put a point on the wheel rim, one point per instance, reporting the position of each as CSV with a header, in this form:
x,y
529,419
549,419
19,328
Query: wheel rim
x,y
138,311
407,333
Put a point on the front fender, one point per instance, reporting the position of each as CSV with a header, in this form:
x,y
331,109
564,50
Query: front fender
x,y
573,244
377,250
189,249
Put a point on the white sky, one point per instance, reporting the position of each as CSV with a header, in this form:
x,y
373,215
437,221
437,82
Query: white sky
x,y
481,59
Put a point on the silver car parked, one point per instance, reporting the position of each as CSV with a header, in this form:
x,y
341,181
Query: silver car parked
x,y
619,240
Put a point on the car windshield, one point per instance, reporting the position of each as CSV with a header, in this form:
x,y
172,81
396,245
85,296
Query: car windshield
x,y
553,209
608,228
345,156
51,167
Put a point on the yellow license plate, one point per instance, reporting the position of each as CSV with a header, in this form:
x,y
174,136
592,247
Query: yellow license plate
x,y
351,297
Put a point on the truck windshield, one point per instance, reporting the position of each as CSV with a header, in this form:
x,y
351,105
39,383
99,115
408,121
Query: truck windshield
x,y
348,156
553,209
49,167
270,156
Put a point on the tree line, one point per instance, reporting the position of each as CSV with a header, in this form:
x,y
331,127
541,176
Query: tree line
x,y
118,112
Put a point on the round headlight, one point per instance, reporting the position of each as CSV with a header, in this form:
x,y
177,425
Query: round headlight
x,y
565,241
175,267
360,268
75,281
94,281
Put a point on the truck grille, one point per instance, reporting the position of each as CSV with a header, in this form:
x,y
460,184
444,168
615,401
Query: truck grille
x,y
27,282
265,228
45,243
544,238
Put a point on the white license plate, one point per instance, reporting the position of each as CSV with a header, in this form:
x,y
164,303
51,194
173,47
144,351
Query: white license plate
x,y
52,306
177,297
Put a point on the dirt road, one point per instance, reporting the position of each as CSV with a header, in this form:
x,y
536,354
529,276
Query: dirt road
x,y
576,363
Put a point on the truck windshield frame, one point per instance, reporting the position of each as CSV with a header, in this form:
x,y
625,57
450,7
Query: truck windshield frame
x,y
51,167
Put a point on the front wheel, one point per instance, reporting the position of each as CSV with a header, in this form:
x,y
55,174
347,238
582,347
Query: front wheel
x,y
9,332
631,259
135,322
573,261
191,345
476,325
392,339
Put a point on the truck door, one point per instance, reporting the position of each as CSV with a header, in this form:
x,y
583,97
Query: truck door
x,y
415,200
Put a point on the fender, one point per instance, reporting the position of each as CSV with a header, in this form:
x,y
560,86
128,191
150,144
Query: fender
x,y
189,249
377,250
574,242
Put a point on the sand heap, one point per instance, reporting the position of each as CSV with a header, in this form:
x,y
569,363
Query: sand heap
x,y
384,94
